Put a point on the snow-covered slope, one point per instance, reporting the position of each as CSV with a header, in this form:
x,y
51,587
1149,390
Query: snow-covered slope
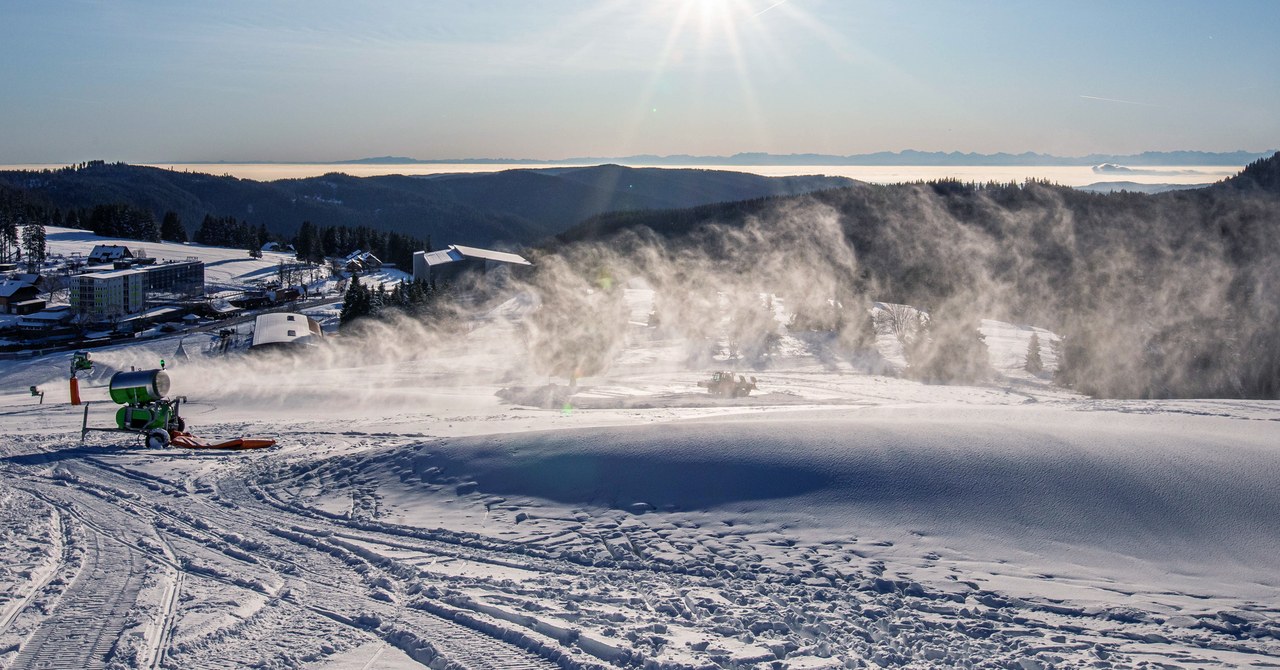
x,y
833,519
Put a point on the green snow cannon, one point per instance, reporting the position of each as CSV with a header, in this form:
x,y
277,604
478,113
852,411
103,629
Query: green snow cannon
x,y
80,361
139,387
142,392
145,409
144,418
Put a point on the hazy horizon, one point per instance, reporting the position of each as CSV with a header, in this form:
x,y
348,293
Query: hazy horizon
x,y
1065,175
686,159
141,80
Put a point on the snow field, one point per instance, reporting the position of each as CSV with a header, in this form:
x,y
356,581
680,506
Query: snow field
x,y
413,516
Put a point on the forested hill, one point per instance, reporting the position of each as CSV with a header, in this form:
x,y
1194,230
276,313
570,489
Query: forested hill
x,y
515,206
1172,294
1260,175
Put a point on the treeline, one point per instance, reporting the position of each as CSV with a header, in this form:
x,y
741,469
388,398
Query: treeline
x,y
108,220
417,298
315,243
22,229
227,231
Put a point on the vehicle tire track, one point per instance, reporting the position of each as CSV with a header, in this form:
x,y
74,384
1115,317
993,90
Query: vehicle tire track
x,y
169,608
422,633
92,614
62,550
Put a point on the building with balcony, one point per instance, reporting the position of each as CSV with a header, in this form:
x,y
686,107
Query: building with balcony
x,y
103,296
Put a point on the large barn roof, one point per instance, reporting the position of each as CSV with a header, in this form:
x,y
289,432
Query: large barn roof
x,y
457,252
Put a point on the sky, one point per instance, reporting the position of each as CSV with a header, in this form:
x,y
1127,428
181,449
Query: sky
x,y
320,80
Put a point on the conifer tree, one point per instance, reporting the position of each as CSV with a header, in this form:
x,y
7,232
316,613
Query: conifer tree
x,y
8,236
35,246
1034,364
171,229
357,303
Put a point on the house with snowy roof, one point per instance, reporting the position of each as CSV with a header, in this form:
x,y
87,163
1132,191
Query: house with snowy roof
x,y
360,261
47,319
108,253
13,293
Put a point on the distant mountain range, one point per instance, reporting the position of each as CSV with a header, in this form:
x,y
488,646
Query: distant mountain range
x,y
515,207
907,157
1135,187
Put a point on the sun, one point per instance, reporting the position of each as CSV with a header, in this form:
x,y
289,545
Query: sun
x,y
715,18
708,46
713,12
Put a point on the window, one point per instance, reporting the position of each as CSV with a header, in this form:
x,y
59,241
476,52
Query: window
x,y
292,333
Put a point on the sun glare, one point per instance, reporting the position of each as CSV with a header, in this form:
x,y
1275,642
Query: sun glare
x,y
715,18
713,12
711,41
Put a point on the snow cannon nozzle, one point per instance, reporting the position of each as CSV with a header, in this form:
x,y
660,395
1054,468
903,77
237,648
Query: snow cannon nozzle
x,y
139,387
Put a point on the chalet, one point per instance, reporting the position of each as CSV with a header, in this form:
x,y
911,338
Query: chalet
x,y
360,261
448,264
13,292
108,253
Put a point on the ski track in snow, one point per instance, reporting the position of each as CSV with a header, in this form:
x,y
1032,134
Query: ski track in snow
x,y
297,556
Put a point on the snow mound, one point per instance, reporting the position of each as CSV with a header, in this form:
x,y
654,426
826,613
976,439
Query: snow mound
x,y
1168,488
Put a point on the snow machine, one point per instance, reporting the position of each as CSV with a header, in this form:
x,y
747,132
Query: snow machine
x,y
80,362
723,384
145,410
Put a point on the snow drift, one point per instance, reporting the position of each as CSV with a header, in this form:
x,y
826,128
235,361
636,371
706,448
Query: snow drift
x,y
1172,489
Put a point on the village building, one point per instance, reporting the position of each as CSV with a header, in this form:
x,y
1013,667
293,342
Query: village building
x,y
47,320
108,253
180,277
447,265
14,293
360,261
99,296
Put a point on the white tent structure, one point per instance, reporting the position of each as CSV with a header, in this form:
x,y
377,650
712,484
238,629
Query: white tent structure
x,y
285,329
